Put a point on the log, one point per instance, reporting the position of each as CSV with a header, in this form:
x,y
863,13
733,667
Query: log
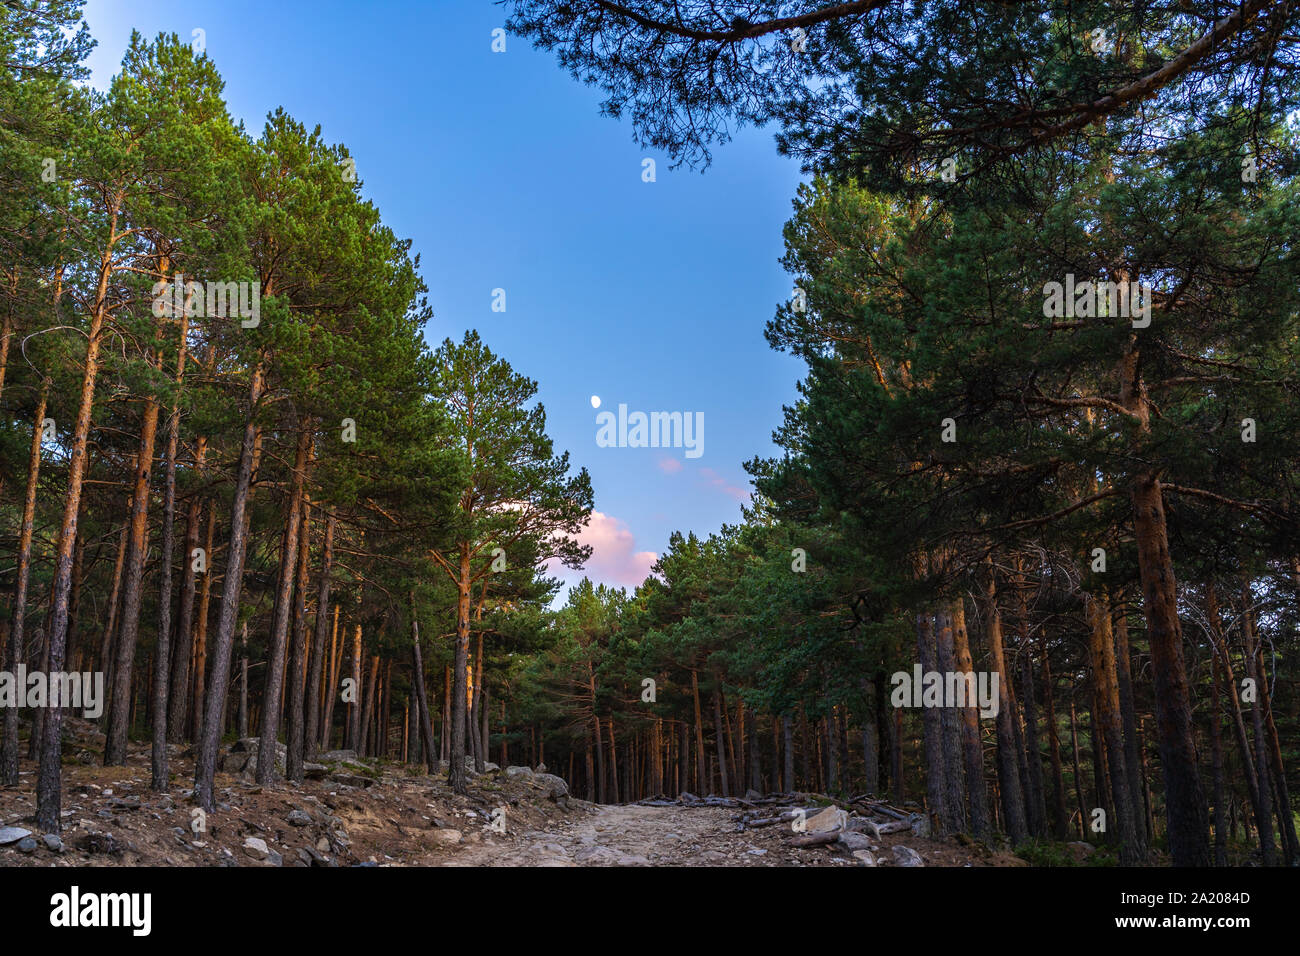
x,y
815,839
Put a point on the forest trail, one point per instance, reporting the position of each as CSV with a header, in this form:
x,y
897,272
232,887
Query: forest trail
x,y
628,836
635,835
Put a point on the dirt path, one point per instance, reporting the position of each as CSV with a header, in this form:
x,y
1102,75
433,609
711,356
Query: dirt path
x,y
633,836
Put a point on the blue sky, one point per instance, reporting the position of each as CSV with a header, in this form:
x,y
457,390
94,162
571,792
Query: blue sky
x,y
500,169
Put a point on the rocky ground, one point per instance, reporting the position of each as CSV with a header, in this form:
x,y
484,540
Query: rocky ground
x,y
374,813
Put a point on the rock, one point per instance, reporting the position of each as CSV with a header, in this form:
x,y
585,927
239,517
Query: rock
x,y
446,835
597,856
273,858
751,795
519,771
298,818
557,791
864,857
832,818
243,755
854,841
27,845
12,835
489,767
1080,850
256,848
338,756
906,856
687,797
632,859
102,843
52,843
920,825
314,771
351,780
323,845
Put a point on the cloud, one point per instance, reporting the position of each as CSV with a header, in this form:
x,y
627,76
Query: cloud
x,y
670,466
614,558
717,481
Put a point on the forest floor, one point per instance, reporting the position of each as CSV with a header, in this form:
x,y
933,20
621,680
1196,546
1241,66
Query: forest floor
x,y
378,813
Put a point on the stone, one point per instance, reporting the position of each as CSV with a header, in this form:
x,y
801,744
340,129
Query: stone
x,y
832,818
27,845
597,856
243,755
12,835
920,825
751,795
906,856
256,848
323,845
338,756
447,836
519,771
298,818
1080,850
351,780
864,857
52,843
273,858
854,841
314,771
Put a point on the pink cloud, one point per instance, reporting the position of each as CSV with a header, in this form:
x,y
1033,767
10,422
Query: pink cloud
x,y
614,558
717,481
670,466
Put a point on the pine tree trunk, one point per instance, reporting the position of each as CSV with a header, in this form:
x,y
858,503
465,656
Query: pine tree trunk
x,y
241,718
137,546
49,778
163,654
353,736
600,745
700,779
787,742
456,764
1011,786
953,758
1216,757
1101,653
9,748
972,745
215,703
1188,822
319,645
179,701
275,664
198,687
1128,715
1262,769
295,726
719,746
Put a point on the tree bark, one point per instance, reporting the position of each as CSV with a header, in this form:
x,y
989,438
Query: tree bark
x,y
283,604
320,645
9,748
295,728
1012,787
1101,652
137,546
178,703
206,764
